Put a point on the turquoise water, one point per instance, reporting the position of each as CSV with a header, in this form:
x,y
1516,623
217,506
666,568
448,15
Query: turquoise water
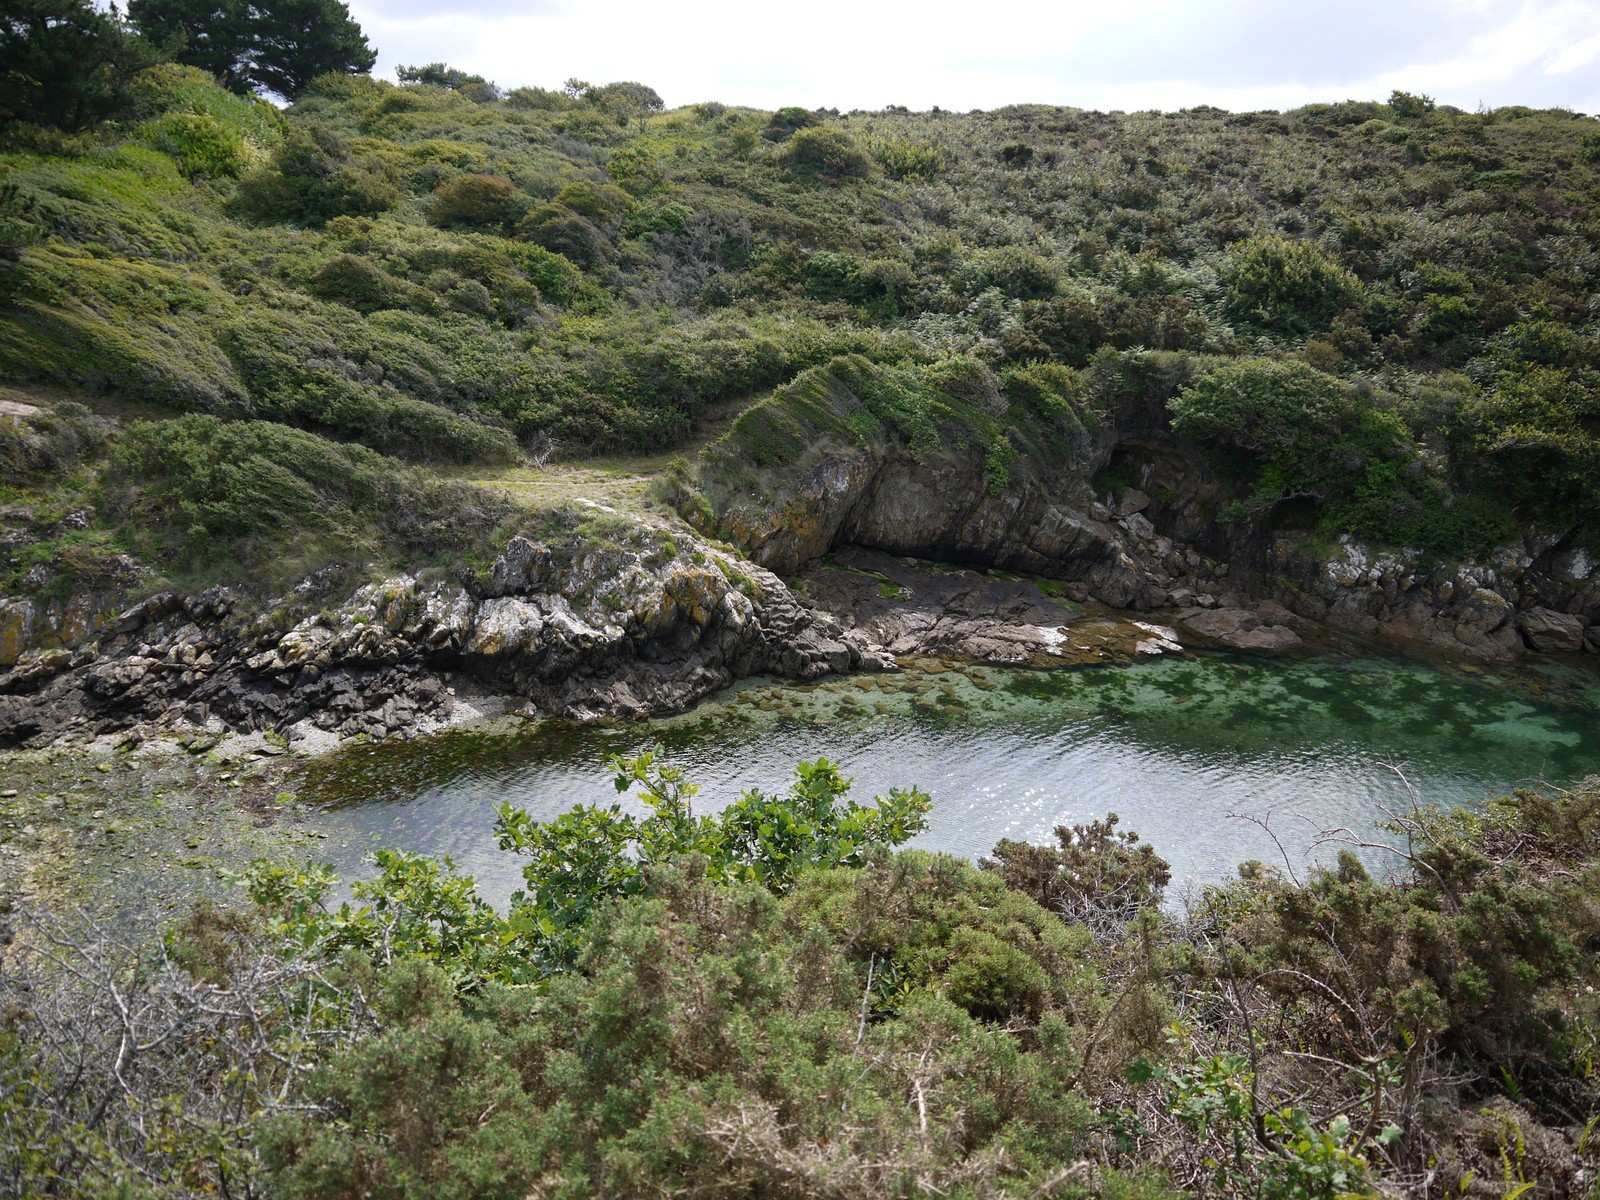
x,y
1187,750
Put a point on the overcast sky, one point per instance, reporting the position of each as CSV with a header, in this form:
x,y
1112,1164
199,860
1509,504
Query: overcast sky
x,y
1136,54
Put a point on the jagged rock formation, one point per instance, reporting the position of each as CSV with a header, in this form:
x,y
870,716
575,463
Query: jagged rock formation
x,y
1155,546
652,619
913,608
584,629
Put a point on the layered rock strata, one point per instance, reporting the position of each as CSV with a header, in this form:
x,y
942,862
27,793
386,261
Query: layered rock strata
x,y
588,630
1139,553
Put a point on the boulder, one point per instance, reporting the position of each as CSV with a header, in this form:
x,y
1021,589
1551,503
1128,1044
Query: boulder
x,y
1480,614
1133,501
1271,638
1139,525
1240,628
1220,623
1551,632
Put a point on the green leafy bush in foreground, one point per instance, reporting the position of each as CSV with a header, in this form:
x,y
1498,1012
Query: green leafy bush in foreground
x,y
584,861
907,1025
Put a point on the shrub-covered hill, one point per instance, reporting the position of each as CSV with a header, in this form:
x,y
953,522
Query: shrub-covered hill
x,y
1385,313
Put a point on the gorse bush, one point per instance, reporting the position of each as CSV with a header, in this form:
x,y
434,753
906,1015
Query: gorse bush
x,y
769,1000
825,153
196,483
902,158
203,146
476,201
1285,287
1094,873
355,281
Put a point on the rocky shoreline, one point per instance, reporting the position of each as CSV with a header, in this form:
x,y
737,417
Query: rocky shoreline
x,y
583,630
1152,542
655,617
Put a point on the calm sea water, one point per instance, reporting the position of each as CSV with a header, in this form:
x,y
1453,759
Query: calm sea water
x,y
1193,752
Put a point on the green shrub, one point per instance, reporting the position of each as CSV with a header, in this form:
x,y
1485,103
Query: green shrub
x,y
1285,287
1094,873
50,443
203,147
786,121
1408,107
1264,405
579,223
193,486
588,857
555,277
696,1017
476,201
1048,390
538,99
635,171
562,231
603,203
903,158
1018,155
667,216
313,177
875,285
1015,272
1534,431
826,153
225,479
352,280
1303,432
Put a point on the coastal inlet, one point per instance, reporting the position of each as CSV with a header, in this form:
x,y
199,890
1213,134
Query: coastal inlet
x,y
1185,749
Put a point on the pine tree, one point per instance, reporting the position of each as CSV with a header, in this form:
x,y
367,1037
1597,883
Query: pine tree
x,y
278,46
62,63
209,34
294,41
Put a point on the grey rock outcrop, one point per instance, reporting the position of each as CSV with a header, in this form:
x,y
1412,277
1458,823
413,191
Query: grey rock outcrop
x,y
586,629
1551,632
1242,629
1147,554
1493,610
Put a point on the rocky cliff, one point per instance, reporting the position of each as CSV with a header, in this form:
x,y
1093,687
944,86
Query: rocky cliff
x,y
649,620
634,616
1151,542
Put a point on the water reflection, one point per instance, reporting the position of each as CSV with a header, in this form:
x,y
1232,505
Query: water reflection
x,y
1178,746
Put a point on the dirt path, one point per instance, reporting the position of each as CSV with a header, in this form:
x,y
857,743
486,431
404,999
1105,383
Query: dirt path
x,y
623,482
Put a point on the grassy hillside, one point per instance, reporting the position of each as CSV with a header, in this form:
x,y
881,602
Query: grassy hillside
x,y
452,276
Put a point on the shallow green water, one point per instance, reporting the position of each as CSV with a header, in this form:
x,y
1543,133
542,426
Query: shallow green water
x,y
1183,748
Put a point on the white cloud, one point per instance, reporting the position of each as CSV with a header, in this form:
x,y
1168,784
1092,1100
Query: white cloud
x,y
1579,54
1237,54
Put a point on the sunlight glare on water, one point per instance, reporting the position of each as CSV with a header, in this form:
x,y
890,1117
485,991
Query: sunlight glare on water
x,y
1182,748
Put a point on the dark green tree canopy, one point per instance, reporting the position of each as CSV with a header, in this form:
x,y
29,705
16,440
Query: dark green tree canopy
x,y
297,40
199,33
63,63
441,75
277,46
